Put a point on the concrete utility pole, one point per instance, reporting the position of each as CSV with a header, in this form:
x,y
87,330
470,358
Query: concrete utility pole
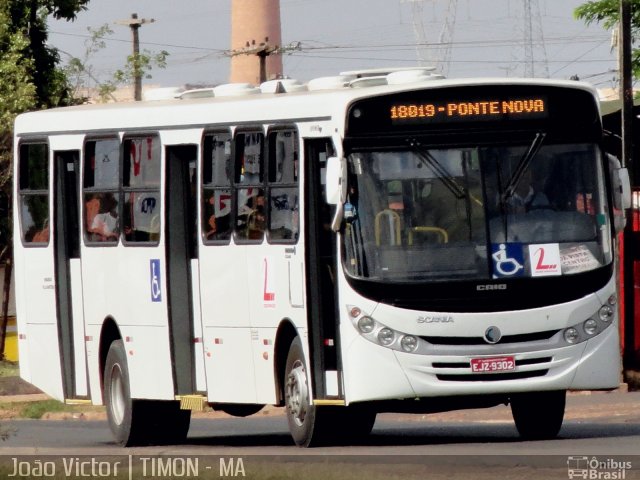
x,y
263,51
135,23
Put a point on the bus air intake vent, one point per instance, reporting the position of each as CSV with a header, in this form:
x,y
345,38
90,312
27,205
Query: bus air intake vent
x,y
490,377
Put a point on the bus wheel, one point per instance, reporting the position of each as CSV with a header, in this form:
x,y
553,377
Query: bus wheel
x,y
121,410
300,412
538,415
305,423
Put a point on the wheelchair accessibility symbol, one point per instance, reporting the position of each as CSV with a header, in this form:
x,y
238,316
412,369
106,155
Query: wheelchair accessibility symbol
x,y
508,260
156,291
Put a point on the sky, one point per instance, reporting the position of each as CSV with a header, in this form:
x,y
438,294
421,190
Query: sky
x,y
487,38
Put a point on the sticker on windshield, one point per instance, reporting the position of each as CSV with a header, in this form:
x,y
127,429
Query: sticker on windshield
x,y
545,260
578,258
508,260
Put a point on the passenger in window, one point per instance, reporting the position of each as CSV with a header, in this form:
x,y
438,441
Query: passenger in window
x,y
42,236
218,210
256,219
101,217
251,213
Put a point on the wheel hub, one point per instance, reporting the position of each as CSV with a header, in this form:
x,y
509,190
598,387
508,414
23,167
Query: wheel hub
x,y
117,404
297,393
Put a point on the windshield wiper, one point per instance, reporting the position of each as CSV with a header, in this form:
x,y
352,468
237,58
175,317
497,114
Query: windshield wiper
x,y
522,166
443,175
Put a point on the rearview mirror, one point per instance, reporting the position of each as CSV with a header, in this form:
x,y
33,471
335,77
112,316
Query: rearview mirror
x,y
336,180
622,194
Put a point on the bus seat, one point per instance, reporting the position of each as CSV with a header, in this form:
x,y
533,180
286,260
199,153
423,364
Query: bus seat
x,y
441,235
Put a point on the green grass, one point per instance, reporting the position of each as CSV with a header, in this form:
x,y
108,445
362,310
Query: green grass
x,y
9,369
36,410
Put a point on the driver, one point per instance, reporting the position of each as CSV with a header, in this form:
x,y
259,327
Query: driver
x,y
527,195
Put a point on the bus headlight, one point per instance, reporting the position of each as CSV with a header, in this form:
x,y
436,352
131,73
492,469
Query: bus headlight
x,y
386,336
375,332
590,327
409,343
366,324
606,313
571,335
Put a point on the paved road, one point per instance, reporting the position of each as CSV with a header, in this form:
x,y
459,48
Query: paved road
x,y
469,444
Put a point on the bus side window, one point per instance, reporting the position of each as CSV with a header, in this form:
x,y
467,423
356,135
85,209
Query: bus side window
x,y
283,186
101,190
34,193
217,170
141,186
250,201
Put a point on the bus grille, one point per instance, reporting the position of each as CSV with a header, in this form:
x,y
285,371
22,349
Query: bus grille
x,y
521,338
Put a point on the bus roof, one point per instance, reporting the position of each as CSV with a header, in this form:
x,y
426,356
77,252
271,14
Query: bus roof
x,y
253,107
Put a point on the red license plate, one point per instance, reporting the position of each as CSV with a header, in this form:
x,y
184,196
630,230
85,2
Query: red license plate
x,y
493,364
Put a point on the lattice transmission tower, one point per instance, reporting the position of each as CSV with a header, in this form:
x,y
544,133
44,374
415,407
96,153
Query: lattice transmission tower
x,y
534,49
433,50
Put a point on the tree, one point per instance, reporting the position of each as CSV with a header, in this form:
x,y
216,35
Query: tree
x,y
607,12
81,74
29,79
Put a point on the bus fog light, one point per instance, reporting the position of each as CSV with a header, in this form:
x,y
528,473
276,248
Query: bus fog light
x,y
366,324
571,335
386,336
606,313
355,312
612,300
590,327
409,343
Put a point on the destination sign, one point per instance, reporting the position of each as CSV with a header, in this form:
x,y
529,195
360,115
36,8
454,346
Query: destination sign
x,y
456,111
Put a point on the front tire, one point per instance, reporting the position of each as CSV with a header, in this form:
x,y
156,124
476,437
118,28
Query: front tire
x,y
538,415
311,425
301,414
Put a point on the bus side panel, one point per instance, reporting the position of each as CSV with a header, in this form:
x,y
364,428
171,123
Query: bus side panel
x,y
230,377
127,273
226,324
144,320
149,362
37,320
93,362
271,301
21,320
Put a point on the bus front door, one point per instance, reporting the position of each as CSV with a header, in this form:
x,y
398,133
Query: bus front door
x,y
68,278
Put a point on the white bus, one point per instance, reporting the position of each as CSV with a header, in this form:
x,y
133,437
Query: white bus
x,y
371,242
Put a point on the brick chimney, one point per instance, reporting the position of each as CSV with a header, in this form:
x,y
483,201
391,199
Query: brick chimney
x,y
255,30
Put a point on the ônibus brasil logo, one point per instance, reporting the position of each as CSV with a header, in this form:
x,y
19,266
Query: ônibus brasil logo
x,y
593,468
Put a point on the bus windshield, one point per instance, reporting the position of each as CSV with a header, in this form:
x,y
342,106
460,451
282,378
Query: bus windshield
x,y
476,212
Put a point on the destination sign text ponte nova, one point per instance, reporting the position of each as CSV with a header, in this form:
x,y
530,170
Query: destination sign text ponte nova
x,y
451,111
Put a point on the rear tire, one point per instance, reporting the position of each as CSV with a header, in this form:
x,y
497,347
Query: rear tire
x,y
122,412
538,415
139,422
